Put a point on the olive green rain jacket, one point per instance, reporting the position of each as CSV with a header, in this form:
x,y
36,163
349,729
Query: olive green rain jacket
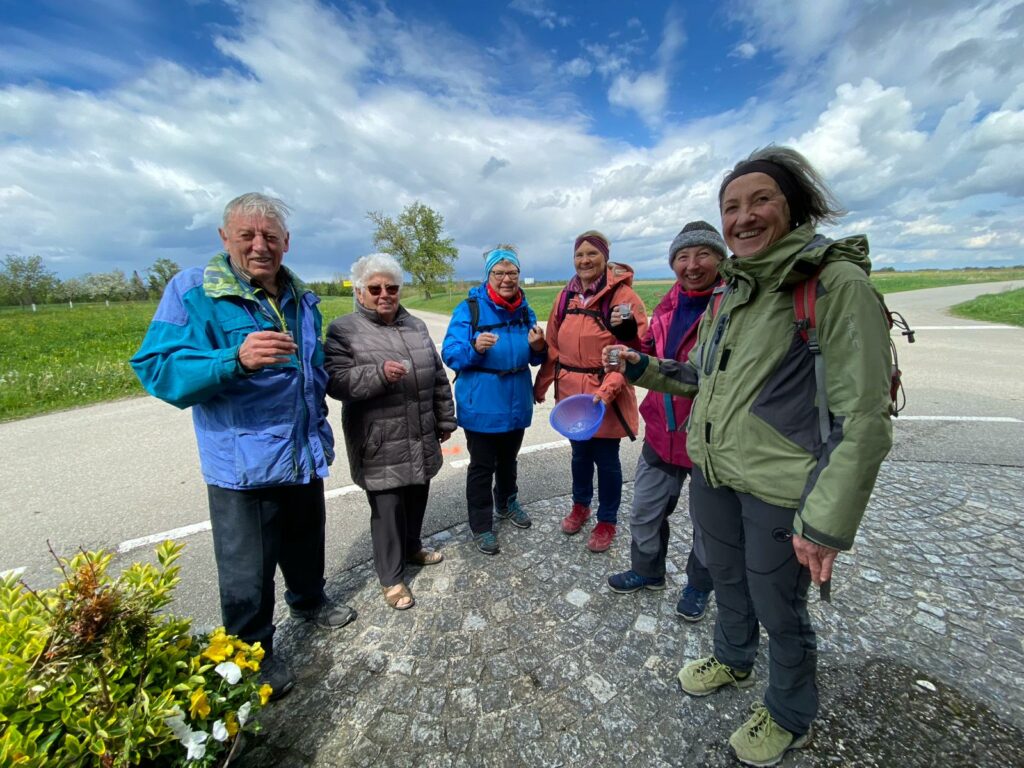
x,y
754,425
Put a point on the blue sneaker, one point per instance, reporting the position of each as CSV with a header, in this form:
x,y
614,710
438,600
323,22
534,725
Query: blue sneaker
x,y
515,514
693,603
487,542
631,581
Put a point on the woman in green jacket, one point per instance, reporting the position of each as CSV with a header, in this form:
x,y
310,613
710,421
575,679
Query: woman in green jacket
x,y
778,487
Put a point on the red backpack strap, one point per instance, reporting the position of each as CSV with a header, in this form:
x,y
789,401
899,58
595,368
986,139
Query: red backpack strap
x,y
805,295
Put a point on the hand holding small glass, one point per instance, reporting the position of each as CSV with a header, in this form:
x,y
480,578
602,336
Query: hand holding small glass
x,y
485,341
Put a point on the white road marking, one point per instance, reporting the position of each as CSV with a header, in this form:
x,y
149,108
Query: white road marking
x,y
156,538
994,419
525,449
345,490
962,328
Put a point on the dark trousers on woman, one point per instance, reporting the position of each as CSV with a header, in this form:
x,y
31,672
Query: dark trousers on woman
x,y
396,521
492,457
254,532
749,550
602,452
656,488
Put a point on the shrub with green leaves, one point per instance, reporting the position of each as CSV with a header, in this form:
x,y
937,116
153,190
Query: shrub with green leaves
x,y
93,673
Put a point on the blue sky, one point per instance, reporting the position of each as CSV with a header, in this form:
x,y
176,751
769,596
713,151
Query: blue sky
x,y
126,126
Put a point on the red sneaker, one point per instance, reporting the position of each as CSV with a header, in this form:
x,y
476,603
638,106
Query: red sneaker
x,y
601,537
572,522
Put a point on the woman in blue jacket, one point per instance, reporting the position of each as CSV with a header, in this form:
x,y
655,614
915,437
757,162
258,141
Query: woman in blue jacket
x,y
492,341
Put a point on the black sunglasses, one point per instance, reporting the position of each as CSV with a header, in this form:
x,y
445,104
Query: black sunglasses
x,y
391,288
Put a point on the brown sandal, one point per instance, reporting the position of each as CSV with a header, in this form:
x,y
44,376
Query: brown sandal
x,y
425,557
398,596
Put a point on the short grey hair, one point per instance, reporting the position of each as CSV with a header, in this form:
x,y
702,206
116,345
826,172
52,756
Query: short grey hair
x,y
375,264
821,202
255,204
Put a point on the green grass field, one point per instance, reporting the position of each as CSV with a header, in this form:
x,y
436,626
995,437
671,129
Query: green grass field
x,y
1006,307
59,357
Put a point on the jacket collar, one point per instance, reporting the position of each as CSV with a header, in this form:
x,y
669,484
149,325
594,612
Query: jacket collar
x,y
220,280
796,257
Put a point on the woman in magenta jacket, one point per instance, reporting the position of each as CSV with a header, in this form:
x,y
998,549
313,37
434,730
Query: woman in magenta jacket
x,y
663,466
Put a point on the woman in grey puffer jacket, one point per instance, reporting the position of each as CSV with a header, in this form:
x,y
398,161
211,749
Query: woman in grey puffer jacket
x,y
397,409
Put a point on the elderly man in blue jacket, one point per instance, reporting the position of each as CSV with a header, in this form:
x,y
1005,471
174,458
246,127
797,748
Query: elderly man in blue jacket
x,y
239,342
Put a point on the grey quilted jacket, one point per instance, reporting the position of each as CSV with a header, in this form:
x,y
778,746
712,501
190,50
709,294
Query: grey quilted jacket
x,y
391,430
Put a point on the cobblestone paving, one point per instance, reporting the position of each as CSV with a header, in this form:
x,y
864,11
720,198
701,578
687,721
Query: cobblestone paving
x,y
527,658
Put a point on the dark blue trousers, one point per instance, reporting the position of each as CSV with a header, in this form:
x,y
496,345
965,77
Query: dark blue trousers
x,y
254,532
602,452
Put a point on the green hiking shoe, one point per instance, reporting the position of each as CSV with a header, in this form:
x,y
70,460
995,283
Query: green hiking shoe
x,y
703,676
762,741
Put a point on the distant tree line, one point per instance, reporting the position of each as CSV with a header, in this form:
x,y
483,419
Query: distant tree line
x,y
24,280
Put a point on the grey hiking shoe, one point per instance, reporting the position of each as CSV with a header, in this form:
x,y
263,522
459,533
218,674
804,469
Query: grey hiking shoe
x,y
515,514
328,615
486,542
278,675
761,741
704,676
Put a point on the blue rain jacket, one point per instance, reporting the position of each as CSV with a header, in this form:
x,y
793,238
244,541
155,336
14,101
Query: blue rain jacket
x,y
493,391
253,430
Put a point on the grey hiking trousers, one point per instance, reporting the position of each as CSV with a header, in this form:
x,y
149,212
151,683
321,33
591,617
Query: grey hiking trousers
x,y
758,580
656,488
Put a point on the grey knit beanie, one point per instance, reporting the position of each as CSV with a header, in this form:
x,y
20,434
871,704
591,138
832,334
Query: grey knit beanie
x,y
697,233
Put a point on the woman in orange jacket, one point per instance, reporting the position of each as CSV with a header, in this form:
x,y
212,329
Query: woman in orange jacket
x,y
598,307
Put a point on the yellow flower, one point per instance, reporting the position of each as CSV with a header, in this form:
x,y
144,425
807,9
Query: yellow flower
x,y
232,723
220,649
264,692
245,662
200,705
256,651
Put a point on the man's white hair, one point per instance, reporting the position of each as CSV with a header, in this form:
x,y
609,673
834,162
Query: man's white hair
x,y
255,204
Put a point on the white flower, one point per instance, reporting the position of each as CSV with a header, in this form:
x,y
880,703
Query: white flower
x,y
220,731
195,744
229,671
243,713
176,723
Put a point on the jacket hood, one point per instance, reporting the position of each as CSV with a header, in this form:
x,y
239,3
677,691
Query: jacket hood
x,y
619,273
796,257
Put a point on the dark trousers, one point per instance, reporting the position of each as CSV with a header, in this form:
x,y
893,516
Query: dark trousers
x,y
492,457
254,532
396,521
656,488
748,548
602,452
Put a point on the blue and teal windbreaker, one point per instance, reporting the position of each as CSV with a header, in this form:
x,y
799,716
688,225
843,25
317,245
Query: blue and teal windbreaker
x,y
268,428
493,391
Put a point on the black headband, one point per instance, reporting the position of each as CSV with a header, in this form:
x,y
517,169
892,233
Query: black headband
x,y
788,185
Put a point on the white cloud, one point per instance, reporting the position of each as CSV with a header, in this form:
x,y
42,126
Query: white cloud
x,y
539,10
341,112
578,67
745,50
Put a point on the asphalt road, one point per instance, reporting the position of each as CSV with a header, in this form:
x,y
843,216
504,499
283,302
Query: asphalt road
x,y
121,475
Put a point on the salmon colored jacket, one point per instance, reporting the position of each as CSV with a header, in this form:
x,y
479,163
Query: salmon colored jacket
x,y
577,340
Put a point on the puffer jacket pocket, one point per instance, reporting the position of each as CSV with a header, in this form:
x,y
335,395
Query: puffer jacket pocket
x,y
265,457
374,440
786,402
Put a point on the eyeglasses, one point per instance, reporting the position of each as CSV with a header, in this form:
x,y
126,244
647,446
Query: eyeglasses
x,y
504,275
391,288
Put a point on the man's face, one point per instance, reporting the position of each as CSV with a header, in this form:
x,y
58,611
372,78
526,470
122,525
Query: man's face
x,y
255,244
